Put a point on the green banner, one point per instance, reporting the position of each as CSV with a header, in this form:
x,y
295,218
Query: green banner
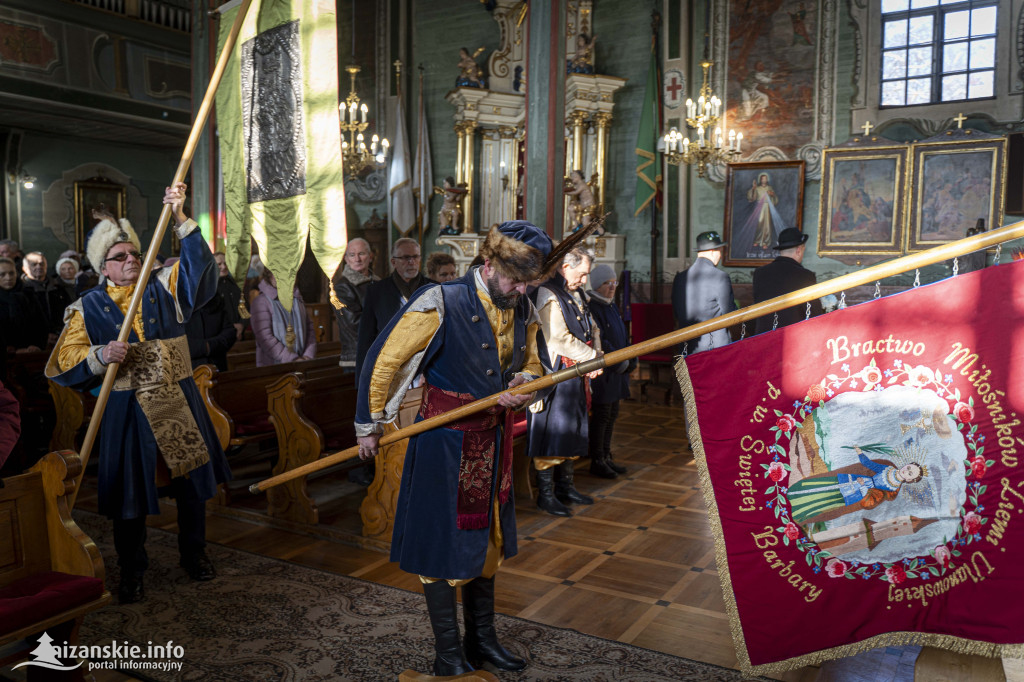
x,y
648,159
277,119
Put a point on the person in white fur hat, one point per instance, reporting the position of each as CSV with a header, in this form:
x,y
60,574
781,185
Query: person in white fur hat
x,y
156,438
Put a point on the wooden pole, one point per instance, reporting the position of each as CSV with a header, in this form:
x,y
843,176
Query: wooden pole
x,y
154,245
853,279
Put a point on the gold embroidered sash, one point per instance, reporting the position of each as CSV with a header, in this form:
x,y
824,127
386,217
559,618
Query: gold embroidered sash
x,y
153,369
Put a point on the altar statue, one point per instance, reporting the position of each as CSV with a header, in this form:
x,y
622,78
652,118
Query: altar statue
x,y
450,215
470,73
582,204
583,60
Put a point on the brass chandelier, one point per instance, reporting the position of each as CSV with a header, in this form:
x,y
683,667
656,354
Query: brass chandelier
x,y
712,145
357,157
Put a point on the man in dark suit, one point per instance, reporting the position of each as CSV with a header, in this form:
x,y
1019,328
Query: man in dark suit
x,y
384,298
702,292
784,275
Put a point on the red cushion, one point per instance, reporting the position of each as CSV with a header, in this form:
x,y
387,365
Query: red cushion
x,y
40,596
261,425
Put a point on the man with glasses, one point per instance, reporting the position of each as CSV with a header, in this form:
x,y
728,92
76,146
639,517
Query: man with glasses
x,y
156,438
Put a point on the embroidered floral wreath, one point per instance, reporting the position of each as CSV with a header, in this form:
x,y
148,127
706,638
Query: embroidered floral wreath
x,y
940,560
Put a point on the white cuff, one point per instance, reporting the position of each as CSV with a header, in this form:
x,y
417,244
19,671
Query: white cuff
x,y
186,228
367,429
95,360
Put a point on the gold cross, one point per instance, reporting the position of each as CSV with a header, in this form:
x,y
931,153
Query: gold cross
x,y
959,118
867,127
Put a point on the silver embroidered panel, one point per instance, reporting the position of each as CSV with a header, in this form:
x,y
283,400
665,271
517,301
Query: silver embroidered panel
x,y
275,150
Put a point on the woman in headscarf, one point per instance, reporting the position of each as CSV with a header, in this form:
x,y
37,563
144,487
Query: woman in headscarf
x,y
281,336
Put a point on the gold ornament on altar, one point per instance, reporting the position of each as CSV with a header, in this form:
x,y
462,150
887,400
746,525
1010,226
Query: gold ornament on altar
x,y
713,145
357,158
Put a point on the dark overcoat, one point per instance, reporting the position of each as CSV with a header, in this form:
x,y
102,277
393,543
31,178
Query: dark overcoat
x,y
613,384
782,276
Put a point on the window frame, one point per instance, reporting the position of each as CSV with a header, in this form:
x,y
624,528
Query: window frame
x,y
865,103
938,13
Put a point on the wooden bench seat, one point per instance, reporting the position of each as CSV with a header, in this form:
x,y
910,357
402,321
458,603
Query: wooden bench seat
x,y
313,414
51,573
243,354
236,400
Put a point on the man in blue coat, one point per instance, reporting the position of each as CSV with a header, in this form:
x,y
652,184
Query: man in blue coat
x,y
455,518
156,437
702,292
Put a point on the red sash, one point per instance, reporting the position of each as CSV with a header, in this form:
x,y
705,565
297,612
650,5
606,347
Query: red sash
x,y
476,468
586,380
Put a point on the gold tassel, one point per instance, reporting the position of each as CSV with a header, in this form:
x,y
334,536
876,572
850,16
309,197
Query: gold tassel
x,y
289,338
243,313
335,301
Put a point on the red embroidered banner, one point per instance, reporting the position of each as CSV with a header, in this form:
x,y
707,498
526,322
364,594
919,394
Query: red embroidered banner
x,y
863,475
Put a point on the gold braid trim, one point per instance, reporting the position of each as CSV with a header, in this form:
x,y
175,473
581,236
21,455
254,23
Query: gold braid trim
x,y
949,642
153,369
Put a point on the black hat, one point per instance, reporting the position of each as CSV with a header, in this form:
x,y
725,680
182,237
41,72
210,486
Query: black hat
x,y
708,241
789,238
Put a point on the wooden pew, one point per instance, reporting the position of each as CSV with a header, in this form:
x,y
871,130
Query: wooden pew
x,y
236,400
313,414
51,573
243,354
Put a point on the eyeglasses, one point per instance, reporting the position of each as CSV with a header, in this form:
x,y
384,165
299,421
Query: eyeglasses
x,y
123,256
407,259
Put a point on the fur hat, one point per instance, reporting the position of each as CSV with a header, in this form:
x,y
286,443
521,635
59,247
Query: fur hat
x,y
517,249
104,236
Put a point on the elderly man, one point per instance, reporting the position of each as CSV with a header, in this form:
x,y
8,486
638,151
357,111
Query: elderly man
x,y
384,298
455,518
50,298
558,427
350,287
783,275
10,249
156,437
702,292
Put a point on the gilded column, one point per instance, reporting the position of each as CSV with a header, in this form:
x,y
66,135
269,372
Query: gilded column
x,y
467,169
578,118
604,124
459,153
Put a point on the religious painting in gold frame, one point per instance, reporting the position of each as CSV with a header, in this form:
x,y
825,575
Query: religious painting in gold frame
x,y
863,201
762,199
91,194
954,183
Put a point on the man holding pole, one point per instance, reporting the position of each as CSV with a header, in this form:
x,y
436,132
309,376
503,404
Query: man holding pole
x,y
455,518
157,438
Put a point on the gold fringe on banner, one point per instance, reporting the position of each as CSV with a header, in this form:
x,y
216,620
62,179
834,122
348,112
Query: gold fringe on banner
x,y
947,642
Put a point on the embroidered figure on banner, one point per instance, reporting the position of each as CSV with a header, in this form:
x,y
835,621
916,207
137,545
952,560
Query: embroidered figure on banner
x,y
876,473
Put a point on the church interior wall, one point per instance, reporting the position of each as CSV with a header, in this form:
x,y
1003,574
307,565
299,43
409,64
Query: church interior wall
x,y
707,202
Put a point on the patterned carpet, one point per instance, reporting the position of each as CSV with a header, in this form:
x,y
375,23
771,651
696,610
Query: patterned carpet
x,y
264,619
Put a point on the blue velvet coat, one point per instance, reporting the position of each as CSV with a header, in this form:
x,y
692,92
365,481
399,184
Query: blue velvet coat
x,y
127,449
425,539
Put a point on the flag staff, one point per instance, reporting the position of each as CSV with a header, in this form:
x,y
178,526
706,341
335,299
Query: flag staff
x,y
158,234
853,279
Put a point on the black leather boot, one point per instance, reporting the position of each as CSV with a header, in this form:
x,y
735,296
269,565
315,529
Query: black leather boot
x,y
546,499
598,423
564,489
482,645
607,445
448,658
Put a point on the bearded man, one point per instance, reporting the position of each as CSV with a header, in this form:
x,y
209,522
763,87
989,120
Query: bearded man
x,y
455,519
